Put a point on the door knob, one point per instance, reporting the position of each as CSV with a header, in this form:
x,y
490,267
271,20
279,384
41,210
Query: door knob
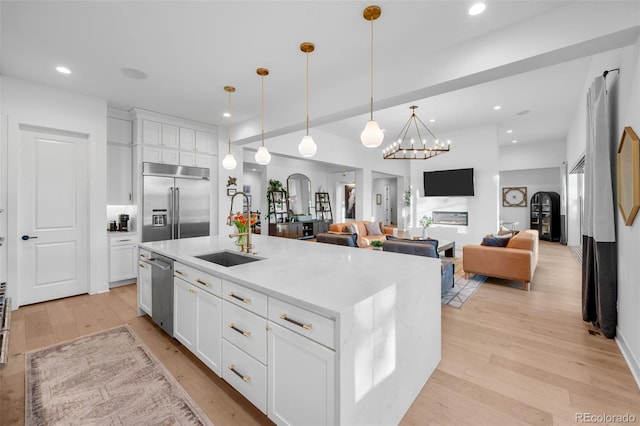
x,y
27,237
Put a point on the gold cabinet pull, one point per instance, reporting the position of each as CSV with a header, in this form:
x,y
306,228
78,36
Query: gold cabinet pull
x,y
242,299
192,291
142,265
244,378
204,283
234,328
178,271
298,323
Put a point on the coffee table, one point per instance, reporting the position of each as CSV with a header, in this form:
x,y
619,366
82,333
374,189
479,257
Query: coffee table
x,y
448,247
444,246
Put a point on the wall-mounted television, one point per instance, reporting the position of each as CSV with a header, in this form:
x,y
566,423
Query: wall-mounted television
x,y
448,183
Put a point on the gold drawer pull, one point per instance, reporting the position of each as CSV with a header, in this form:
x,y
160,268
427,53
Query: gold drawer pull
x,y
192,291
244,333
178,271
204,283
142,265
298,323
244,378
242,299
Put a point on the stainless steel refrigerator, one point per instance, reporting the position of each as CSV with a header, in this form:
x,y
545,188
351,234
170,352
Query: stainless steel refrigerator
x,y
175,202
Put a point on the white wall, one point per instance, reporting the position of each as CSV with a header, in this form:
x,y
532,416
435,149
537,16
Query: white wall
x,y
337,151
28,103
475,147
537,155
628,238
535,180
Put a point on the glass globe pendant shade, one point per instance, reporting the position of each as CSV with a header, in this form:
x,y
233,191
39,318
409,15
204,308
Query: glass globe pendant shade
x,y
372,136
229,162
262,156
307,147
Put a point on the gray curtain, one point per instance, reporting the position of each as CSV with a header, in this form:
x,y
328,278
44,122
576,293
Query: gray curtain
x,y
599,251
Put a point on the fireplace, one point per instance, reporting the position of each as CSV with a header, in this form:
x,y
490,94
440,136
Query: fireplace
x,y
450,218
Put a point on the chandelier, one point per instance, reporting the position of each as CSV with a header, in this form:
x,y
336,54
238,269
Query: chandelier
x,y
406,147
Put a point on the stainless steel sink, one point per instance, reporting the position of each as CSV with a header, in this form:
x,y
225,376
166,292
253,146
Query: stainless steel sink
x,y
228,258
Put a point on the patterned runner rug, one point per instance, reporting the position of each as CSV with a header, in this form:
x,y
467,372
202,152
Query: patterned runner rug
x,y
108,378
462,290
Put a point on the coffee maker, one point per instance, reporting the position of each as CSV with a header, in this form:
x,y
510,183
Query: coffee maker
x,y
123,222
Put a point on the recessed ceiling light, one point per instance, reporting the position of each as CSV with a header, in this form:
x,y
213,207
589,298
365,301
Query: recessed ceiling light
x,y
497,107
63,70
514,141
433,120
226,114
134,73
509,131
525,112
477,9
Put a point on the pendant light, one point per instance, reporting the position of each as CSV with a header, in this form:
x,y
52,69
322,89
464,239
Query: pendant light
x,y
307,147
372,136
262,156
229,162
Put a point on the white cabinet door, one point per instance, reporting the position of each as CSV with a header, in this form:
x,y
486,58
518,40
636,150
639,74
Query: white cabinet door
x,y
208,339
122,263
151,132
119,172
184,313
170,136
203,160
119,131
301,379
144,287
170,156
159,155
187,139
187,158
203,142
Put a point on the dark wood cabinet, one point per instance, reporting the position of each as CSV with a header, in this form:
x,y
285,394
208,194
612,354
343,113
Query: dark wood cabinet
x,y
545,215
300,230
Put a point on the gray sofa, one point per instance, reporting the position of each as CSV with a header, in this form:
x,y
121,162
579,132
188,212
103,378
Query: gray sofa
x,y
350,240
428,248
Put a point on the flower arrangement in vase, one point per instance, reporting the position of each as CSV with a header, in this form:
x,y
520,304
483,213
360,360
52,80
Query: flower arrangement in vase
x,y
242,225
425,222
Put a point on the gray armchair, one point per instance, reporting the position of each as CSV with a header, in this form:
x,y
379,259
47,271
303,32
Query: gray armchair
x,y
424,248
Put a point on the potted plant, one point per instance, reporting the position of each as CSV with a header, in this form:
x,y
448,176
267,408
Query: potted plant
x,y
425,222
377,245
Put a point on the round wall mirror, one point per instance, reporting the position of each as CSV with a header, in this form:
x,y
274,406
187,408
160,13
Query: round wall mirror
x,y
299,191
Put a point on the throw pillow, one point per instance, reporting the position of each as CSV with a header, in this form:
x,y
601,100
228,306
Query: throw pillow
x,y
351,229
503,231
373,228
495,242
499,235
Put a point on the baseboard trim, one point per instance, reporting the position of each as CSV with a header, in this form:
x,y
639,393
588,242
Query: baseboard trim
x,y
632,362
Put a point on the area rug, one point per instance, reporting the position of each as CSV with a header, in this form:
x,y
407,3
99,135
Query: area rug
x,y
462,291
108,378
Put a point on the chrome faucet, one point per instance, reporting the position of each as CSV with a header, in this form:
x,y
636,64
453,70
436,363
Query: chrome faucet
x,y
249,247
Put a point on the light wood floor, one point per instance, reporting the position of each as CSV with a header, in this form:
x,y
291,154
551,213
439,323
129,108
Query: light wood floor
x,y
508,356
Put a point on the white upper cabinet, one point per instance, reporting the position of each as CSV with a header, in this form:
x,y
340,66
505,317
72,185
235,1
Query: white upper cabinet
x,y
119,173
151,132
170,136
203,142
187,139
119,131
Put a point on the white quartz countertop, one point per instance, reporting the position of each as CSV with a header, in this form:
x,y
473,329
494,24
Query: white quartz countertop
x,y
326,278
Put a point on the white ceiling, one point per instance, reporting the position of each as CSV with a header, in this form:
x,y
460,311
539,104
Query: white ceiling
x,y
191,49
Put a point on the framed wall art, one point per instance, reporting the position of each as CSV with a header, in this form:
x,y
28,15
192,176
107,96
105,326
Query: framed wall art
x,y
514,196
629,175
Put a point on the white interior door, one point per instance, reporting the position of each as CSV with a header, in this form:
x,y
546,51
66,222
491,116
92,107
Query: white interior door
x,y
52,206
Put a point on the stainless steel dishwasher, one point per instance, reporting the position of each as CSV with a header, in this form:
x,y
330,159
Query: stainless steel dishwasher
x,y
161,290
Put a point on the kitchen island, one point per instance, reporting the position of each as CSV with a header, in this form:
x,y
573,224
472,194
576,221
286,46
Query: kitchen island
x,y
351,336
